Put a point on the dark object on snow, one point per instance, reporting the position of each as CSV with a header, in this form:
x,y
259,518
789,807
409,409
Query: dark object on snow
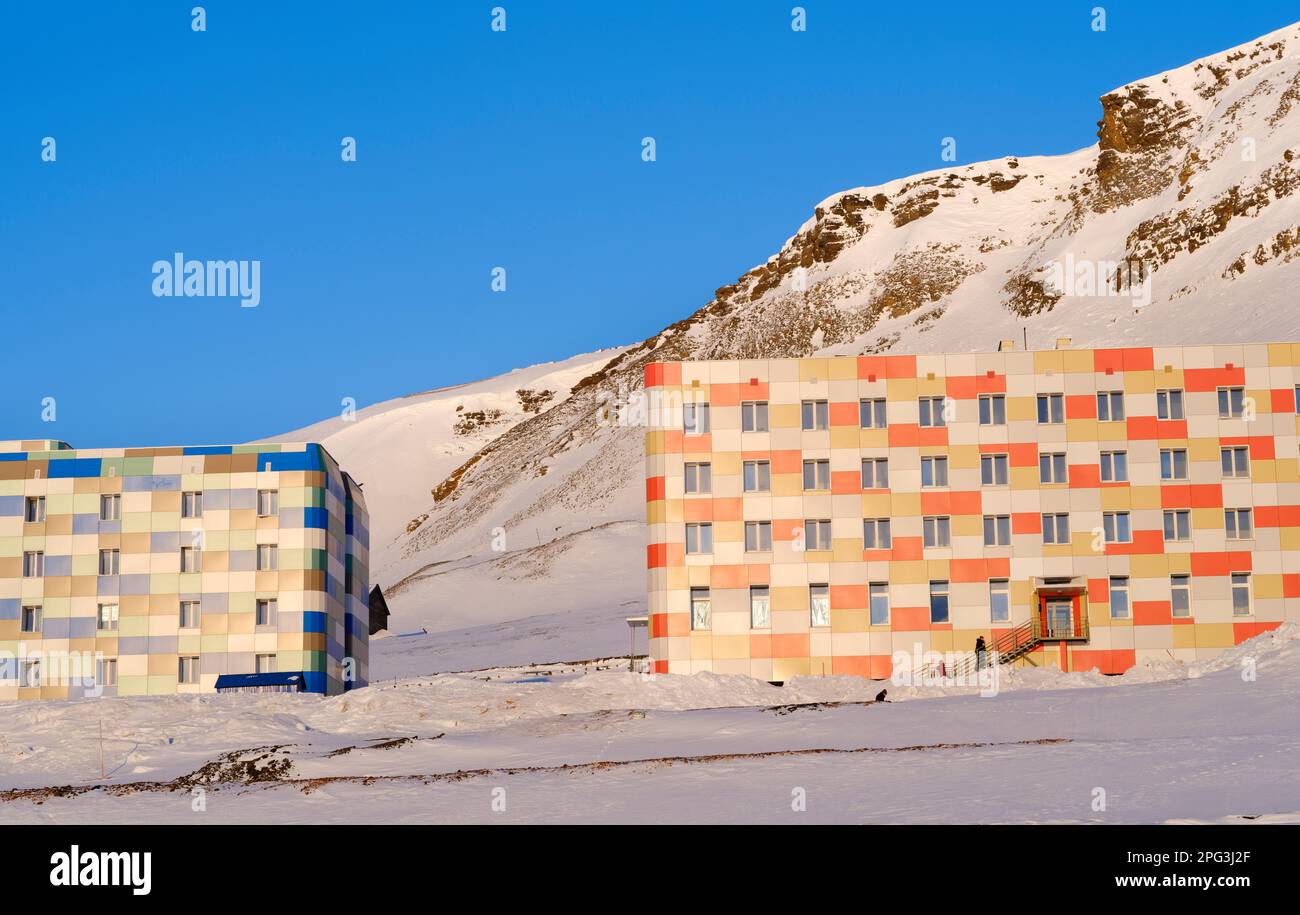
x,y
880,696
378,611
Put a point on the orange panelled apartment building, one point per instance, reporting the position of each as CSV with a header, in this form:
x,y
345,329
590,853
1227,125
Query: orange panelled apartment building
x,y
1076,508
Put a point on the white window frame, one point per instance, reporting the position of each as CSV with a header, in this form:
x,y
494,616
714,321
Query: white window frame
x,y
699,534
191,560
268,557
820,476
1117,527
877,601
107,617
1052,406
267,611
1119,586
1110,407
941,588
1232,524
33,564
110,507
761,539
1234,462
697,477
1227,408
753,416
936,531
1055,471
34,510
696,419
268,503
879,473
192,504
880,537
1180,584
761,476
1238,583
819,605
816,412
1169,460
110,563
187,664
1170,521
817,534
36,614
106,672
999,526
995,469
760,607
265,663
932,412
934,472
1052,521
701,609
993,409
191,615
1114,466
999,593
872,413
1166,401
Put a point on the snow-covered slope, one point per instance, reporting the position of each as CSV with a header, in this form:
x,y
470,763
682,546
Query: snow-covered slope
x,y
1190,184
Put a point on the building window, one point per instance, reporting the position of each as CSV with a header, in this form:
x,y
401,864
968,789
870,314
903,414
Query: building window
x,y
190,614
871,413
268,557
875,534
1236,522
1232,403
819,605
1169,404
937,530
106,618
932,412
1110,407
1116,527
753,416
33,564
1235,462
999,600
265,663
1051,468
760,608
699,478
1056,528
191,505
1178,525
35,509
699,537
1051,409
934,471
817,535
110,508
994,469
268,503
1240,593
188,669
110,562
106,672
695,418
1114,466
997,530
701,611
993,410
1173,464
879,600
29,672
191,559
1119,597
758,536
816,475
816,415
31,619
938,601
268,612
875,473
758,476
1180,595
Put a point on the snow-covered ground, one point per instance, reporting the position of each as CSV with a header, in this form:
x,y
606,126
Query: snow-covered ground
x,y
592,742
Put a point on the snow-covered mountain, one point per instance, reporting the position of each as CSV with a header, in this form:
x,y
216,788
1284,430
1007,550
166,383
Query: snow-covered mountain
x,y
1188,191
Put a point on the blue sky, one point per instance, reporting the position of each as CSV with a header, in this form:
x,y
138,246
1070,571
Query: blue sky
x,y
475,149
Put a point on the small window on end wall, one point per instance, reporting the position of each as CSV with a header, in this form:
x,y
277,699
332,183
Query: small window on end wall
x,y
110,508
1180,595
753,416
187,670
879,597
191,611
268,612
35,510
760,608
999,600
938,601
1241,593
265,664
268,503
701,610
268,557
1119,597
819,605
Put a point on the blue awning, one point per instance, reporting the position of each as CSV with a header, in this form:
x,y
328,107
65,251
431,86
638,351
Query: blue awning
x,y
291,680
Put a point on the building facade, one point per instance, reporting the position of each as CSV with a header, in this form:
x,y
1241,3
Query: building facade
x,y
148,571
1074,508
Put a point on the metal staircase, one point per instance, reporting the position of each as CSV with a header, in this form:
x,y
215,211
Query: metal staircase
x,y
1010,646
